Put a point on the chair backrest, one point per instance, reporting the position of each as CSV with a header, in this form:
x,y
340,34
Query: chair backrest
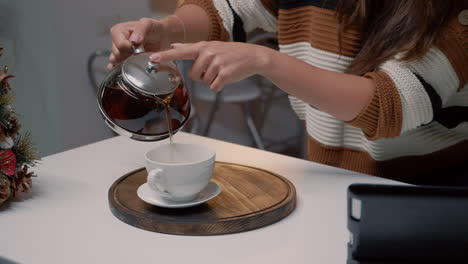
x,y
96,67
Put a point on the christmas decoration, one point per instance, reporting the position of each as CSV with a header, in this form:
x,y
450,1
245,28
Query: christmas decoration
x,y
5,188
17,153
22,181
7,162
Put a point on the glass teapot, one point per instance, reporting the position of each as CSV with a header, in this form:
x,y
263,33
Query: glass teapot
x,y
143,100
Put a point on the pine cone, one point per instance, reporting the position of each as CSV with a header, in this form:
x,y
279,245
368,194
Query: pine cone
x,y
4,76
22,181
14,127
5,190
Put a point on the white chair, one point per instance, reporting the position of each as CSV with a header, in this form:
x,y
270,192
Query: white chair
x,y
96,67
244,93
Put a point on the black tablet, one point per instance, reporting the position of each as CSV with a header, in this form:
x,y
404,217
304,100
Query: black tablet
x,y
407,224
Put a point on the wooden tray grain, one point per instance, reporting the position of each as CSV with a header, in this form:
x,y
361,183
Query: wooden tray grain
x,y
250,198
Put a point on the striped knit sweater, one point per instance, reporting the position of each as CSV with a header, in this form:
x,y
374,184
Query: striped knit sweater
x,y
417,120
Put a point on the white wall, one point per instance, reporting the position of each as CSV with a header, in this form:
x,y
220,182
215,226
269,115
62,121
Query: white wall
x,y
47,44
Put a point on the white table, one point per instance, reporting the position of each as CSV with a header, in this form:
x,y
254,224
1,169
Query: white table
x,y
66,217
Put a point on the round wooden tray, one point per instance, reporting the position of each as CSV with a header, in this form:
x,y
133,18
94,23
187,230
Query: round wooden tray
x,y
250,198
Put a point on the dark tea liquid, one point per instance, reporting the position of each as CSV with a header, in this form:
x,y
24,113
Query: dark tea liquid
x,y
152,116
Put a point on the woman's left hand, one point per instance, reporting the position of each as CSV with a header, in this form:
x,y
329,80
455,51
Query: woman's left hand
x,y
219,63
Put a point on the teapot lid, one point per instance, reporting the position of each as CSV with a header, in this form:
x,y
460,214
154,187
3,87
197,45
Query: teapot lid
x,y
149,78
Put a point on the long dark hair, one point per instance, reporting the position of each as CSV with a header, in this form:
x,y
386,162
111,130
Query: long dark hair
x,y
393,26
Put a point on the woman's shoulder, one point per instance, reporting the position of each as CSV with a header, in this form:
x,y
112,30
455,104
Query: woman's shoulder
x,y
457,24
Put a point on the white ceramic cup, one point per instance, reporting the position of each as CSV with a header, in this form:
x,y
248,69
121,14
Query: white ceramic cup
x,y
178,172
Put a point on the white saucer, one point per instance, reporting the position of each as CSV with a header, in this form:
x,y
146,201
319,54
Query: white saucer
x,y
151,197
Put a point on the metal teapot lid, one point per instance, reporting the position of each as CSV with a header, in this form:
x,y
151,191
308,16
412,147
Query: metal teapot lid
x,y
149,78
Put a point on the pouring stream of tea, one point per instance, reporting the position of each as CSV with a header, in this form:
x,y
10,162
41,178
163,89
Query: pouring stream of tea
x,y
166,102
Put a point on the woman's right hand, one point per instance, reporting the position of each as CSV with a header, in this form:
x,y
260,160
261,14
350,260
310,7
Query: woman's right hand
x,y
147,31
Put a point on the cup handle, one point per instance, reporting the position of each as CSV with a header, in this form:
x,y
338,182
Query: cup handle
x,y
155,178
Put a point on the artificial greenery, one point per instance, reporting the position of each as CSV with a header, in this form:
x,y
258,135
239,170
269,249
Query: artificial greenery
x,y
17,153
26,154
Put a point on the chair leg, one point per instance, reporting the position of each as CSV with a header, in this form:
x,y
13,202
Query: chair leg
x,y
302,141
266,107
247,107
195,121
213,110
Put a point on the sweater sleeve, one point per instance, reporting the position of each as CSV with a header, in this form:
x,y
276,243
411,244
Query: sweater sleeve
x,y
414,93
232,20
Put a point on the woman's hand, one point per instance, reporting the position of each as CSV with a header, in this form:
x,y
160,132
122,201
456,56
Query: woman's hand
x,y
219,63
154,34
145,30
